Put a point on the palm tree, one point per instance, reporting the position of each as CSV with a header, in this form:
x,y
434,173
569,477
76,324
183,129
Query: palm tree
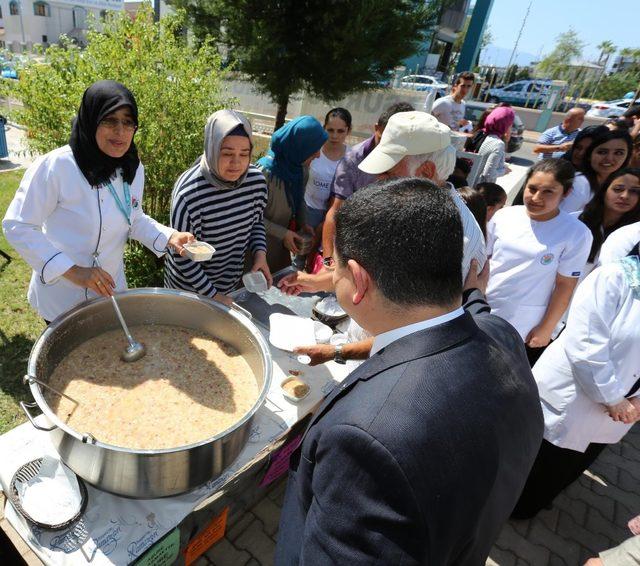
x,y
607,48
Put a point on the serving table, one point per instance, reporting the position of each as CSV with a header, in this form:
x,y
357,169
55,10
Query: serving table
x,y
177,530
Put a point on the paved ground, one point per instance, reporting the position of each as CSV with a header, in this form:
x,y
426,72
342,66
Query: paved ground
x,y
18,156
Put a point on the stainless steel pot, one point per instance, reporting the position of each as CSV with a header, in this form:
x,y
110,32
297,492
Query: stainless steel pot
x,y
146,473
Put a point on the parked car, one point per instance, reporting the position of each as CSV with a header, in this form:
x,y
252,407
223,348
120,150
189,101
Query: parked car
x,y
609,109
423,82
474,109
529,92
8,72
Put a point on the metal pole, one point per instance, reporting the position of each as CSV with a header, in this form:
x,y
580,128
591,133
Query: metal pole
x,y
22,24
524,21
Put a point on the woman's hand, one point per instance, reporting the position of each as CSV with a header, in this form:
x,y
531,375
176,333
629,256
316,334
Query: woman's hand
x,y
260,264
625,412
178,240
93,278
291,241
300,282
539,337
224,299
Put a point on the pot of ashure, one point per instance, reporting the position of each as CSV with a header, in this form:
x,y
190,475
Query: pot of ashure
x,y
153,430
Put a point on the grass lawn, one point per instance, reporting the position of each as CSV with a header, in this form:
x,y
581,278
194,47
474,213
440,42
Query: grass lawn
x,y
19,323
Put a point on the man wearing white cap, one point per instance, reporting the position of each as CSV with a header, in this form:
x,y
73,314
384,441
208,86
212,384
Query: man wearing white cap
x,y
416,144
413,144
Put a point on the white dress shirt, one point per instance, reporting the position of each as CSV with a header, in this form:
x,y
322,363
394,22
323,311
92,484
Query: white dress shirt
x,y
595,361
57,220
386,338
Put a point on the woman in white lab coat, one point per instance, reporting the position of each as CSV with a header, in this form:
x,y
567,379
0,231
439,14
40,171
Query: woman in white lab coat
x,y
588,381
82,201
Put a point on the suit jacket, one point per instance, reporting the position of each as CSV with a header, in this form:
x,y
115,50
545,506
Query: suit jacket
x,y
419,456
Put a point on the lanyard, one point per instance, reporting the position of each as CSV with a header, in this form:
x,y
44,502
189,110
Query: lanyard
x,y
125,207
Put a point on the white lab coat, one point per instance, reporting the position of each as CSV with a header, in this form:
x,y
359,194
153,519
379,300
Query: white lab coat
x,y
595,361
57,220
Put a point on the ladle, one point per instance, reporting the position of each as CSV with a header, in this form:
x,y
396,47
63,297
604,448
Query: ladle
x,y
134,350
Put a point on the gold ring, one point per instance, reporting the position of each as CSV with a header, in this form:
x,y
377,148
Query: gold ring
x,y
99,283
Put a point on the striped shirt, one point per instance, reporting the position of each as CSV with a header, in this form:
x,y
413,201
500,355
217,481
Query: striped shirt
x,y
556,136
494,148
231,220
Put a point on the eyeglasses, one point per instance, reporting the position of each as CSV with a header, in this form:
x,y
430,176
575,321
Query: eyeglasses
x,y
329,263
113,123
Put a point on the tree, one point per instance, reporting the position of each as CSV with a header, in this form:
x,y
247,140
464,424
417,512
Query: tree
x,y
631,55
568,48
616,85
176,88
327,48
607,48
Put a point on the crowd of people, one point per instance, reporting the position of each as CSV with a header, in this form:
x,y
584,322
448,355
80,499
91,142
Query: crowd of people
x,y
462,306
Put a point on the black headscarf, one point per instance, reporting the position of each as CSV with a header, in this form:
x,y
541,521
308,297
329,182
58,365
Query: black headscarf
x,y
98,101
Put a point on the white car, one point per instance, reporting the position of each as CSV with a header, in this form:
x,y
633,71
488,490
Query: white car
x,y
609,109
422,82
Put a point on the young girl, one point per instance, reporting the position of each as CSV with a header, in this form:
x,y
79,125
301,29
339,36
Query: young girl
x,y
616,206
293,147
498,129
608,152
221,199
494,195
337,123
537,255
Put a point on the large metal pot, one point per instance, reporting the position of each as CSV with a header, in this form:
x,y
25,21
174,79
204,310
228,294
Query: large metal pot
x,y
147,473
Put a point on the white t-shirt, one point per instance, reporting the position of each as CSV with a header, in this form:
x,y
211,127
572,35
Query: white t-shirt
x,y
449,112
619,243
579,196
526,255
318,189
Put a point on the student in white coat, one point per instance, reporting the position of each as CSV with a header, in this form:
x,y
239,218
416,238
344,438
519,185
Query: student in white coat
x,y
84,200
622,242
588,381
537,255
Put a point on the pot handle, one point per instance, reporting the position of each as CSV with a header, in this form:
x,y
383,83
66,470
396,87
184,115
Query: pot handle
x,y
236,307
25,407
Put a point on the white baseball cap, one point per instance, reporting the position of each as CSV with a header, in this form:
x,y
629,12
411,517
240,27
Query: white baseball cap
x,y
406,133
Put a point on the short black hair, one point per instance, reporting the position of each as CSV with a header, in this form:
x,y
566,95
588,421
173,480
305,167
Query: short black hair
x,y
464,76
394,109
492,192
632,111
407,234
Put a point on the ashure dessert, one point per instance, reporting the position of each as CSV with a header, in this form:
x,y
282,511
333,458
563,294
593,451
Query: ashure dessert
x,y
189,387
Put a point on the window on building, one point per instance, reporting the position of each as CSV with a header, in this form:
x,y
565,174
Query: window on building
x,y
45,39
79,17
41,9
14,10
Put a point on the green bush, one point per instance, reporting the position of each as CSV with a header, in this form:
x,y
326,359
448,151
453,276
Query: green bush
x,y
176,87
617,85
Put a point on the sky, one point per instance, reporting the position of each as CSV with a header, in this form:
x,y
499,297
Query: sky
x,y
593,21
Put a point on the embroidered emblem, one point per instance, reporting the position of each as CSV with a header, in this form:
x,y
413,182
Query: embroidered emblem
x,y
134,202
546,259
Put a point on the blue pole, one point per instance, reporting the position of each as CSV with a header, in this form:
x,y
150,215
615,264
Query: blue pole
x,y
471,45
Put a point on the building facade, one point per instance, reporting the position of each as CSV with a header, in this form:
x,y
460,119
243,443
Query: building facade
x,y
25,23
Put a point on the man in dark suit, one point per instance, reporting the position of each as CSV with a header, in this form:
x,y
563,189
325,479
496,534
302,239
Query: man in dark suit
x,y
419,456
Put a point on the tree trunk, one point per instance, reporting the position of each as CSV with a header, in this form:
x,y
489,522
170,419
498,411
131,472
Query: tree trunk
x,y
283,102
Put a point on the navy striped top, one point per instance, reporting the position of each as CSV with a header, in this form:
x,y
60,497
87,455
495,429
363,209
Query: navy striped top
x,y
231,220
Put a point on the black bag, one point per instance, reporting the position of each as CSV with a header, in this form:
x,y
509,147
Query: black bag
x,y
474,142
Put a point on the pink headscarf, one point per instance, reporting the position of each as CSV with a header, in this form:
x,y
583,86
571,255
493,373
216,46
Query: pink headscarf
x,y
499,122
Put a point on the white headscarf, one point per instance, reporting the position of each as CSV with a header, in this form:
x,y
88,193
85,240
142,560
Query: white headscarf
x,y
219,125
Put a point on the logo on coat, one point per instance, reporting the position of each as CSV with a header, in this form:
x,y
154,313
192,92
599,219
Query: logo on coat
x,y
546,259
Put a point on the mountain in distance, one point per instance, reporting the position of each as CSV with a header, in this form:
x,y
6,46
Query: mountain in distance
x,y
499,56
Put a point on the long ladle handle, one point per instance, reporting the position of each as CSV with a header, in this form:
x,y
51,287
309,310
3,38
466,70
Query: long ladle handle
x,y
117,309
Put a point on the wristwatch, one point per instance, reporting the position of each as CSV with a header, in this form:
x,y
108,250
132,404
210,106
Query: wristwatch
x,y
337,355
